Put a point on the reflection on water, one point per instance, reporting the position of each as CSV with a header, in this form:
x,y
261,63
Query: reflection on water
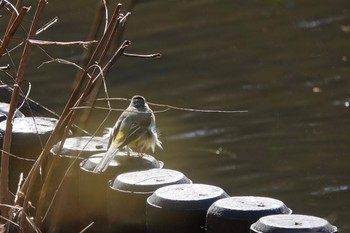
x,y
327,190
319,22
286,62
200,133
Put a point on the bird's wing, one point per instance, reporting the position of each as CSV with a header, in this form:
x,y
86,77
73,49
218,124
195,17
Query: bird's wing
x,y
115,130
131,128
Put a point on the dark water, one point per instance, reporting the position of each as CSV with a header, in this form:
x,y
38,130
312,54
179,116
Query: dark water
x,y
285,61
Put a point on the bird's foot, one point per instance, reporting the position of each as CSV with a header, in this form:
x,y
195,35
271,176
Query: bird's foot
x,y
128,151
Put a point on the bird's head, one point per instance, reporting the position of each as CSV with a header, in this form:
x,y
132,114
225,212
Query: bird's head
x,y
138,101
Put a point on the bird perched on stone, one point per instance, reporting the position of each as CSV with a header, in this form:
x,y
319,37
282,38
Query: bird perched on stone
x,y
135,129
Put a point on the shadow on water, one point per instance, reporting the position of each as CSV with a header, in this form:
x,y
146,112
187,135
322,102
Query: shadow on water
x,y
285,61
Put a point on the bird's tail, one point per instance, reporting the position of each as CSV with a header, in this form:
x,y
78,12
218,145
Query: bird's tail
x,y
106,159
108,135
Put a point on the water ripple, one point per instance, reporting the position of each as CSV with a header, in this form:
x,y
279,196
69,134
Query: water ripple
x,y
308,24
331,189
200,133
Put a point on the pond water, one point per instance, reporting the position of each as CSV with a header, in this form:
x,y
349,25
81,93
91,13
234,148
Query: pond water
x,y
284,61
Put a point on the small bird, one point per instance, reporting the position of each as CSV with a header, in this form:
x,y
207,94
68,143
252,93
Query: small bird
x,y
135,128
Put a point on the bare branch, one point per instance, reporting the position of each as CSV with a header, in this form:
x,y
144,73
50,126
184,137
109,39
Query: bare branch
x,y
11,6
197,110
12,29
60,43
15,94
9,220
19,194
116,55
17,157
87,227
167,107
155,55
46,26
3,68
106,15
62,61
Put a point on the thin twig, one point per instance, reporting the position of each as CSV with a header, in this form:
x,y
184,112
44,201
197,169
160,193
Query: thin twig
x,y
18,192
113,26
10,221
4,191
3,68
68,116
26,96
170,107
104,3
96,25
47,25
60,43
95,87
119,38
70,167
20,75
14,15
155,55
116,56
72,115
167,109
114,109
17,157
87,227
12,29
197,110
11,6
42,29
72,163
97,83
62,61
114,98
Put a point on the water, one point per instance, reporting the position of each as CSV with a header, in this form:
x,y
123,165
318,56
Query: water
x,y
285,62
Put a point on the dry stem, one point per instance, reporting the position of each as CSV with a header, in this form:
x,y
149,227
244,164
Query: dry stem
x,y
4,192
97,67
